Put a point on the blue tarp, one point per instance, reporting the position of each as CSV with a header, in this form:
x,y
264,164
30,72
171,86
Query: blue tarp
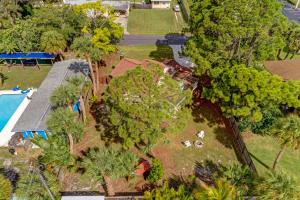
x,y
27,55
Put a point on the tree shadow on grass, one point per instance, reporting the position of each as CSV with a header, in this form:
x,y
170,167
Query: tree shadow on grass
x,y
259,161
162,52
223,136
204,113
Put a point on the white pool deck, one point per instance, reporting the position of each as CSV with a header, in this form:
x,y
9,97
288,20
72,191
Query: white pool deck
x,y
6,133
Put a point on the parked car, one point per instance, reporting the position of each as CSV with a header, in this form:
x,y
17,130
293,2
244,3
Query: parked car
x,y
177,8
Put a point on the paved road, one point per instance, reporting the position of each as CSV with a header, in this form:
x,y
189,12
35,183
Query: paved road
x,y
290,12
153,39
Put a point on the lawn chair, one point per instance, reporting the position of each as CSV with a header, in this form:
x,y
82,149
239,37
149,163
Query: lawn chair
x,y
187,143
201,134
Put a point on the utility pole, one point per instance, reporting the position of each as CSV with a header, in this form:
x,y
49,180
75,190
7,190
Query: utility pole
x,y
297,4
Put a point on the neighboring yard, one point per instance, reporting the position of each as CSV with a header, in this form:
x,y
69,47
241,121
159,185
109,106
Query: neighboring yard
x,y
24,77
141,52
264,150
154,22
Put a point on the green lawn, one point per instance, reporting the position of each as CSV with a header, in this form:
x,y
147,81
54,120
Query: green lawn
x,y
264,150
141,52
24,77
154,22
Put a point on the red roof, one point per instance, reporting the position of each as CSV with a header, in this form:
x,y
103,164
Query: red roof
x,y
127,64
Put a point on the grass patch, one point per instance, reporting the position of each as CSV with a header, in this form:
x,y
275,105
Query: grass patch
x,y
154,22
140,52
24,77
264,150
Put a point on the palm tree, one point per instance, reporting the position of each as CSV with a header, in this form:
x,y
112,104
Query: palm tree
x,y
288,131
30,186
277,186
65,95
62,122
107,163
80,83
240,177
53,42
56,154
5,188
84,47
219,191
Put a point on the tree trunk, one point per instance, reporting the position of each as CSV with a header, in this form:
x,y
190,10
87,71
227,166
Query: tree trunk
x,y
109,187
92,76
61,176
97,77
82,108
279,154
71,142
287,55
279,54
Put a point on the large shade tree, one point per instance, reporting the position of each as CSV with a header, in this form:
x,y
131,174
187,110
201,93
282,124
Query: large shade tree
x,y
287,130
53,42
105,164
144,104
245,91
240,31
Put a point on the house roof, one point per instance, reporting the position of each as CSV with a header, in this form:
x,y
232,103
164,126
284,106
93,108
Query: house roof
x,y
287,69
127,64
35,115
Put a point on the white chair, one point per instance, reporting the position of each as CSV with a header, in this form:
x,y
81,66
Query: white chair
x,y
201,134
187,143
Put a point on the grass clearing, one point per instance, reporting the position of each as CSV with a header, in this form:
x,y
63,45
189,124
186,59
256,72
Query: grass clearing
x,y
24,77
264,150
180,161
154,22
141,52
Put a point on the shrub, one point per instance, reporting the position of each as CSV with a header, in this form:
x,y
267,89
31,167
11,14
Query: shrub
x,y
5,188
156,172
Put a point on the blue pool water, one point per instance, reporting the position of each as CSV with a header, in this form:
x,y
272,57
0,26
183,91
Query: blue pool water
x,y
8,106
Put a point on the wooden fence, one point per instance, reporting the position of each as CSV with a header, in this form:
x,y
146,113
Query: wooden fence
x,y
239,145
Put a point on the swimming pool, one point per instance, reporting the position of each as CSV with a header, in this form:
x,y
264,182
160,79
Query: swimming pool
x,y
8,106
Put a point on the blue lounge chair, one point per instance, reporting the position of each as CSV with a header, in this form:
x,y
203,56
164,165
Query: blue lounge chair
x,y
42,134
25,91
17,88
76,106
24,134
30,134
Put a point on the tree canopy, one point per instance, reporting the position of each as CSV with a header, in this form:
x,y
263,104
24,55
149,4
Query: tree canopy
x,y
240,31
144,104
245,91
